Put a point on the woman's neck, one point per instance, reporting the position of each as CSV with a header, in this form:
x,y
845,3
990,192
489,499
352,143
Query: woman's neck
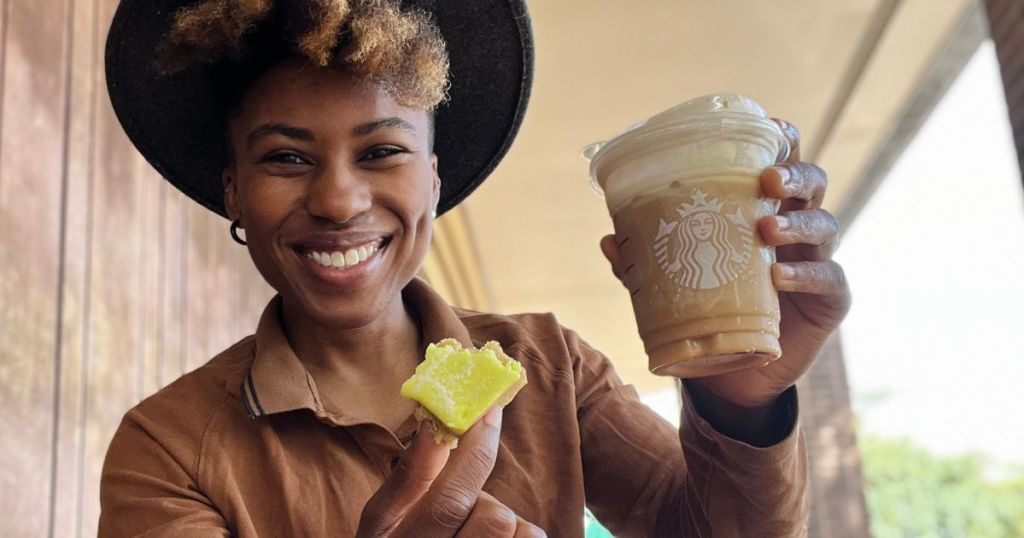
x,y
387,346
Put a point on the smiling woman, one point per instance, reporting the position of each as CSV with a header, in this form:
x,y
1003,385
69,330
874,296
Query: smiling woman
x,y
342,168
310,125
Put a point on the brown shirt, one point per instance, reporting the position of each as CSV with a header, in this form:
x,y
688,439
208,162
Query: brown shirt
x,y
243,446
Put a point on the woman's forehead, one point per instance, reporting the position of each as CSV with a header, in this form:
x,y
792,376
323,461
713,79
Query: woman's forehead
x,y
295,91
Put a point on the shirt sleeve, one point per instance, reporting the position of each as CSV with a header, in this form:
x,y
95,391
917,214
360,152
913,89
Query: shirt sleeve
x,y
644,478
147,489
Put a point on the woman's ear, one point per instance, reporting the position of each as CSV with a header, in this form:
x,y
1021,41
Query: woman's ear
x,y
230,193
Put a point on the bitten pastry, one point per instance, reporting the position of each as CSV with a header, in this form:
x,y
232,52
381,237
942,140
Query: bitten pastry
x,y
455,386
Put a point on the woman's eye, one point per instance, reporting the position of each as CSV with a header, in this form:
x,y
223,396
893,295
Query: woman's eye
x,y
286,158
381,152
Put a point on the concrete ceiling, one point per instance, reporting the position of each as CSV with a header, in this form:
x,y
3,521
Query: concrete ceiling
x,y
841,70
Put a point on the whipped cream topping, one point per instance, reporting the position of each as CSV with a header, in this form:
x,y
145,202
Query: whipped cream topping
x,y
710,134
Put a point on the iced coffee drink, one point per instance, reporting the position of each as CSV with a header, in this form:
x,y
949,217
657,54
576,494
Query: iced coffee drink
x,y
683,192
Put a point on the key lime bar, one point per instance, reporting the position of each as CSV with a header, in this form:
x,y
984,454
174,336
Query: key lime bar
x,y
455,386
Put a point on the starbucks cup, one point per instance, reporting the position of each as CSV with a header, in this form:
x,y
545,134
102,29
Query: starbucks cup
x,y
683,192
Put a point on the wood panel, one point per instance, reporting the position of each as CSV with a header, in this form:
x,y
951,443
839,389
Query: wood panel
x,y
452,267
166,289
3,56
31,164
838,507
172,355
1007,27
148,266
112,284
116,301
74,291
203,318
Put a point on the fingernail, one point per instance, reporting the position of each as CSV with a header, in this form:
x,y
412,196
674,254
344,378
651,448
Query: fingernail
x,y
784,175
493,417
782,222
786,272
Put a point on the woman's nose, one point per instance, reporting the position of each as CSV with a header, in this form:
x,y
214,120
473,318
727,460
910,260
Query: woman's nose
x,y
338,194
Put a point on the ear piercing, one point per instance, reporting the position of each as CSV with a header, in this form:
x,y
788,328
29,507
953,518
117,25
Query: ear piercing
x,y
234,232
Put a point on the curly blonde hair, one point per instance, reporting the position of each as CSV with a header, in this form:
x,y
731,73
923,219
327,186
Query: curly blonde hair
x,y
402,50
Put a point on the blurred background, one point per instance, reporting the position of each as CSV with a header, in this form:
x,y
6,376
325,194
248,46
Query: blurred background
x,y
112,284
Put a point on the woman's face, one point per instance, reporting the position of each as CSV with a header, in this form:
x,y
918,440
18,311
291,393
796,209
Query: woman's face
x,y
701,224
334,183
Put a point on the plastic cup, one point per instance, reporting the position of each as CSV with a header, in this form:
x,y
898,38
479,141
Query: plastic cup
x,y
683,192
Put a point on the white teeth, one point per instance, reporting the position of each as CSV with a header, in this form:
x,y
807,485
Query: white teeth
x,y
340,260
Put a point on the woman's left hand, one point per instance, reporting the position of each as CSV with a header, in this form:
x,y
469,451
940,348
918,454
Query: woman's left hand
x,y
813,293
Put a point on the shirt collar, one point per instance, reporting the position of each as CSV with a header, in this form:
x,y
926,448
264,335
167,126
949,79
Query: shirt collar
x,y
278,381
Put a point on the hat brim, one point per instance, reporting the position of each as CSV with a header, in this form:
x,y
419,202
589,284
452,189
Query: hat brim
x,y
177,122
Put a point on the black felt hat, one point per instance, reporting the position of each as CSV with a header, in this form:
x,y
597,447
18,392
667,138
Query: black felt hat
x,y
177,121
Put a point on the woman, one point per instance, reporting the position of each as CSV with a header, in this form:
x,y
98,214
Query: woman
x,y
310,125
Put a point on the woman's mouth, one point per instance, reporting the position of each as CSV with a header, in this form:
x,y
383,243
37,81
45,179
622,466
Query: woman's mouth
x,y
347,258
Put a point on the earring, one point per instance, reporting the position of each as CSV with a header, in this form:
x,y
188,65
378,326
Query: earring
x,y
433,213
234,232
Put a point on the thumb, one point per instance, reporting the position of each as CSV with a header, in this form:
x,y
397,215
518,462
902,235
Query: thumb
x,y
610,249
409,480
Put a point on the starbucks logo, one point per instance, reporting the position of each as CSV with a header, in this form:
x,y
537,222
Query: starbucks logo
x,y
706,246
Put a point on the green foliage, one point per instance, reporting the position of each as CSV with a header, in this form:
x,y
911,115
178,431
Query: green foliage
x,y
914,493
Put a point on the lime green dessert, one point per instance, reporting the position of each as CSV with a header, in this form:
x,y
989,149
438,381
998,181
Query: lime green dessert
x,y
455,386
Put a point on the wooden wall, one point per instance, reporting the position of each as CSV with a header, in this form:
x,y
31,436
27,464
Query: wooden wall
x,y
111,283
836,493
1006,22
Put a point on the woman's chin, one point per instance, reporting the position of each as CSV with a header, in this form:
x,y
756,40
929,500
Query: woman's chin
x,y
348,309
343,313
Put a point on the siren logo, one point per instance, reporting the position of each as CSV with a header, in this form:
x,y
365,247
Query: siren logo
x,y
705,247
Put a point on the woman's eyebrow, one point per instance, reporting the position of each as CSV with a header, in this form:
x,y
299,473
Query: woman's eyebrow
x,y
278,128
392,122
300,133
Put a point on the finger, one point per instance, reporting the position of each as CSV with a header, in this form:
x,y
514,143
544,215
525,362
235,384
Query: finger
x,y
525,529
610,249
792,135
799,185
818,278
813,231
450,499
408,482
489,517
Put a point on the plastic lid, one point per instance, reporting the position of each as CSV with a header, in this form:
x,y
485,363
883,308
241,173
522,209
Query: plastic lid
x,y
709,112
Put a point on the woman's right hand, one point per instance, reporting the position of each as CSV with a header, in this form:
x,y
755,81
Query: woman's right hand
x,y
435,492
